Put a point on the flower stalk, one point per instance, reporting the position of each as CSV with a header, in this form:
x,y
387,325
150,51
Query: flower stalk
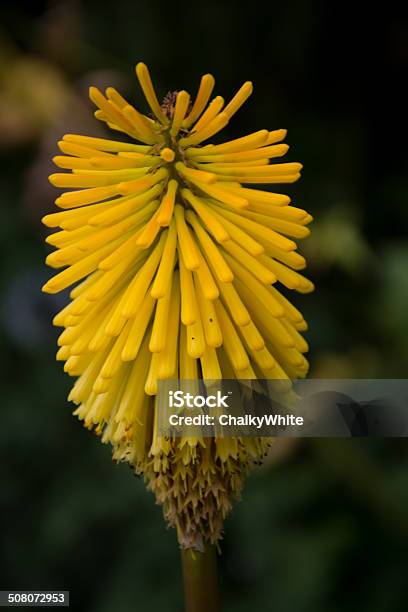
x,y
200,580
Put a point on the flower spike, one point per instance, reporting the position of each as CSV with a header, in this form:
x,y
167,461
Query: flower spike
x,y
177,261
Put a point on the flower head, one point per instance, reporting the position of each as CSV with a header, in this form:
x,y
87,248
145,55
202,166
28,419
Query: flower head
x,y
178,265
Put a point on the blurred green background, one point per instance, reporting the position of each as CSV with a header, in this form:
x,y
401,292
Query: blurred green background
x,y
323,526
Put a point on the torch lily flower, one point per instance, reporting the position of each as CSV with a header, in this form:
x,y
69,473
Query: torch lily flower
x,y
177,259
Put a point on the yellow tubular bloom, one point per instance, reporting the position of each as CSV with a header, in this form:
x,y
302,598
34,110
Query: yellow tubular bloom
x,y
203,95
177,262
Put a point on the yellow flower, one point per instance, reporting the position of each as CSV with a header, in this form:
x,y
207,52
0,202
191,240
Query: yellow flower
x,y
179,264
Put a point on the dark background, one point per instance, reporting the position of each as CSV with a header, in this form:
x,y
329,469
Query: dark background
x,y
323,526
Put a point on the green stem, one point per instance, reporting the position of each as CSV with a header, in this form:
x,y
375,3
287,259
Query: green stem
x,y
200,580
